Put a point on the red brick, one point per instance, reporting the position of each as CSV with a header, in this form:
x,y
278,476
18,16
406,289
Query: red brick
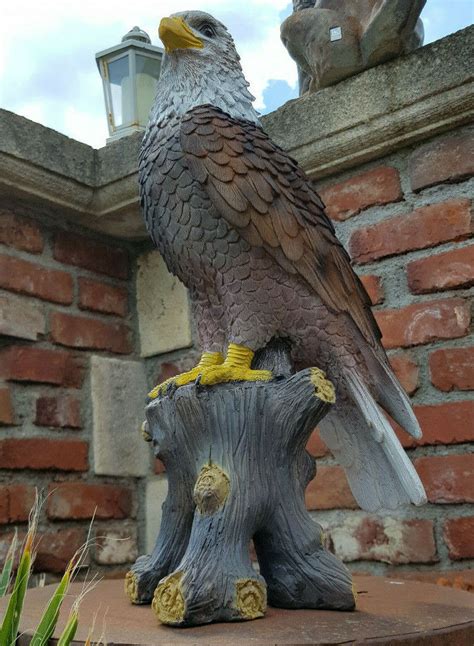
x,y
90,334
44,454
20,233
448,423
30,278
424,322
447,478
100,297
7,416
373,287
80,251
372,188
407,371
61,412
329,490
21,318
26,363
78,500
449,270
425,227
54,550
386,539
459,537
452,369
448,159
316,446
16,502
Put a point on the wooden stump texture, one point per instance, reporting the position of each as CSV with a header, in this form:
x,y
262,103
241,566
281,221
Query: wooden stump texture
x,y
237,470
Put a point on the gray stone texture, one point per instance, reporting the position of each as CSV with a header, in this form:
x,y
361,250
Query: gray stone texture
x,y
118,391
381,110
359,119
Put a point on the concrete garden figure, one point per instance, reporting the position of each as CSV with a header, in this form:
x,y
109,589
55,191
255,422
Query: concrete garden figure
x,y
273,292
333,39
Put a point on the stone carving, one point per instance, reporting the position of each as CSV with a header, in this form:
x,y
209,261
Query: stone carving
x,y
200,569
331,40
274,295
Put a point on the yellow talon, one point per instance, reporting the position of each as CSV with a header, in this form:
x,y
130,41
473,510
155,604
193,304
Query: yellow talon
x,y
236,367
212,369
207,359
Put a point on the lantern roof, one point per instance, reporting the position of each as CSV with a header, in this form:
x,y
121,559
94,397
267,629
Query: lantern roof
x,y
136,38
137,34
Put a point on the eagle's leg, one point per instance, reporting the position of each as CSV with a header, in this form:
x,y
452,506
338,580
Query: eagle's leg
x,y
236,367
208,359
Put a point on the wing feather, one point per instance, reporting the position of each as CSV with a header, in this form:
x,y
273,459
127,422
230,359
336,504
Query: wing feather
x,y
260,190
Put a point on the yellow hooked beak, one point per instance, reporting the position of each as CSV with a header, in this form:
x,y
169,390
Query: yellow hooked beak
x,y
175,34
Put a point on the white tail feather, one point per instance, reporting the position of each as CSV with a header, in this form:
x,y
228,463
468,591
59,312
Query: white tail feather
x,y
378,470
389,393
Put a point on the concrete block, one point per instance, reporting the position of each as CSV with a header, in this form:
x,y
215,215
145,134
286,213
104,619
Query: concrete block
x,y
163,307
114,547
118,409
20,318
155,496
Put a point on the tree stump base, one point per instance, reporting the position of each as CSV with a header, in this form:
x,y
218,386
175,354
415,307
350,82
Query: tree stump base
x,y
237,470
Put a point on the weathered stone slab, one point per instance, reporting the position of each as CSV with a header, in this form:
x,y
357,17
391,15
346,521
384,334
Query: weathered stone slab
x,y
118,407
163,307
21,319
155,496
114,547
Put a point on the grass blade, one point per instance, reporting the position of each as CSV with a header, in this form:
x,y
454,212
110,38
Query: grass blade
x,y
7,568
70,630
9,629
50,616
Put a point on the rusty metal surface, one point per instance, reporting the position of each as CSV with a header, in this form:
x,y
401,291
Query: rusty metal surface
x,y
388,612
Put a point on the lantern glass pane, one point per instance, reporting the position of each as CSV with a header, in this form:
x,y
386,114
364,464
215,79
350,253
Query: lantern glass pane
x,y
148,71
121,89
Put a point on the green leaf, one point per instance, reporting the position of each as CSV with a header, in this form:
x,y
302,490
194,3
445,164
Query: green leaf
x,y
50,616
7,568
9,629
70,630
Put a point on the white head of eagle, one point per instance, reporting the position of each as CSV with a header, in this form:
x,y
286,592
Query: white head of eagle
x,y
200,66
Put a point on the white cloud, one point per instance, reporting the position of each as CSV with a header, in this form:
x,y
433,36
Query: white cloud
x,y
47,64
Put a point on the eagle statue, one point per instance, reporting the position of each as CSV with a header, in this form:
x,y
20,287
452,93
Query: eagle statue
x,y
240,224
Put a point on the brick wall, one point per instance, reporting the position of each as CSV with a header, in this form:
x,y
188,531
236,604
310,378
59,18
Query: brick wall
x,y
66,296
406,220
73,373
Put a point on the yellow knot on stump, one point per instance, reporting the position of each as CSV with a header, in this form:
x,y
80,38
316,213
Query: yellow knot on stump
x,y
131,587
251,598
211,489
168,600
324,388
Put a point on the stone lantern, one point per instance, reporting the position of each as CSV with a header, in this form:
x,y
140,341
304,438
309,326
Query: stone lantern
x,y
129,74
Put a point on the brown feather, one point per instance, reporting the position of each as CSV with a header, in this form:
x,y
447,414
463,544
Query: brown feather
x,y
231,194
221,172
261,191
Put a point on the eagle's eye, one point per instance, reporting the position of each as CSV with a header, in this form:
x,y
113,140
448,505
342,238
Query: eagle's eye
x,y
207,30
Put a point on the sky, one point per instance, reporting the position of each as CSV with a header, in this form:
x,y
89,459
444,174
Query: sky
x,y
48,71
